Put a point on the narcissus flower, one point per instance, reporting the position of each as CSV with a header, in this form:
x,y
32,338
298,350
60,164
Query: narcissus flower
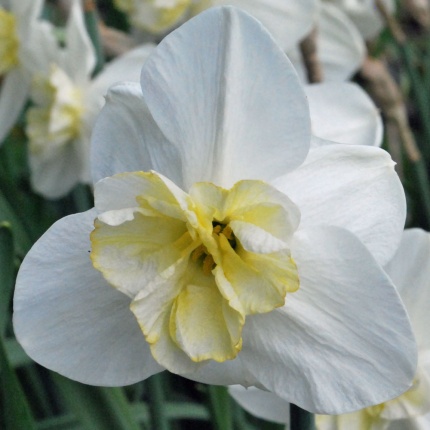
x,y
221,246
410,271
66,101
21,37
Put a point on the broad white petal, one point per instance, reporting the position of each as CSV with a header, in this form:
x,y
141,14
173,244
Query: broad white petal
x,y
224,93
410,271
54,175
261,403
126,138
340,47
343,112
354,187
69,319
13,94
287,21
343,340
80,58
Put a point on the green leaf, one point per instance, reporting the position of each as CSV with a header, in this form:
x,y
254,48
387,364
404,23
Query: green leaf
x,y
17,414
16,355
7,274
97,408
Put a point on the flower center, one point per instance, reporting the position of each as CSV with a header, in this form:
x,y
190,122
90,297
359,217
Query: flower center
x,y
202,255
9,43
192,278
55,118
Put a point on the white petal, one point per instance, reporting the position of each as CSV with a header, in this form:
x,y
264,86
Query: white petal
x,y
410,271
80,58
354,187
28,9
287,21
365,15
13,94
343,340
126,139
126,67
228,373
69,319
33,58
343,112
262,404
222,91
55,175
342,49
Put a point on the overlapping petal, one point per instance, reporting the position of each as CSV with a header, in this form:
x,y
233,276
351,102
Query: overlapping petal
x,y
200,90
353,187
68,318
343,112
126,138
262,404
321,353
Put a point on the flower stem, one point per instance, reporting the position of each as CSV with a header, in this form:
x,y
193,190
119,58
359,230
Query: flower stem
x,y
220,408
301,419
157,404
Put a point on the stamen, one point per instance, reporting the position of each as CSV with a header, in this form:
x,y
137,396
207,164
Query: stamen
x,y
198,252
228,233
217,229
208,264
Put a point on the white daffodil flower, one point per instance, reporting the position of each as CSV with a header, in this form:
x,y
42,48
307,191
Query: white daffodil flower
x,y
409,269
287,20
222,247
364,14
66,101
21,38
